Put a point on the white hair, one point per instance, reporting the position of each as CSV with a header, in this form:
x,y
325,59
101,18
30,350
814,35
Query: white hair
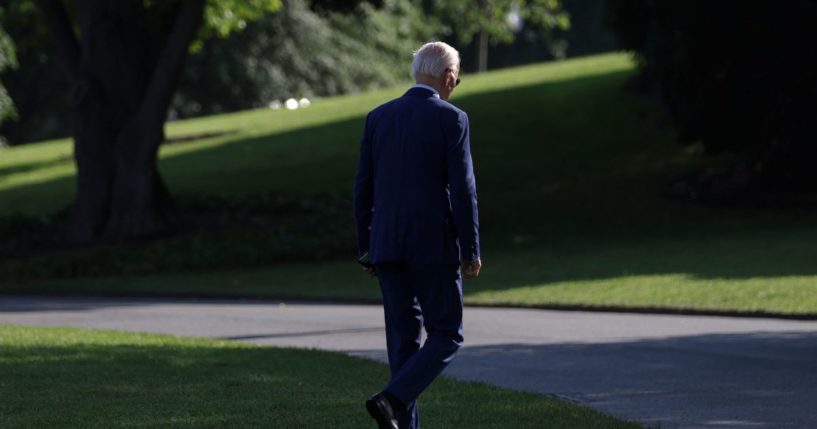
x,y
434,58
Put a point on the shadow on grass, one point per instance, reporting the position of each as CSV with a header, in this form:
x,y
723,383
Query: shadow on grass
x,y
568,171
182,386
178,384
754,379
32,166
185,138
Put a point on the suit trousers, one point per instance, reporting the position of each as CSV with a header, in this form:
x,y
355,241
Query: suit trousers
x,y
417,296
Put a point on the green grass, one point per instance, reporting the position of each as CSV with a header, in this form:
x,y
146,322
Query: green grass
x,y
533,278
302,151
570,169
75,378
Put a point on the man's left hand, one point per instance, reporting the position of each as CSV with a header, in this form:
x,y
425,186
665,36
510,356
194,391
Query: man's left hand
x,y
470,269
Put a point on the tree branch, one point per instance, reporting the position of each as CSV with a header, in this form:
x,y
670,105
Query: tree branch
x,y
62,35
169,65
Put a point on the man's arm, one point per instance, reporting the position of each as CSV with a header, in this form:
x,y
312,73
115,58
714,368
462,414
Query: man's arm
x,y
463,189
364,190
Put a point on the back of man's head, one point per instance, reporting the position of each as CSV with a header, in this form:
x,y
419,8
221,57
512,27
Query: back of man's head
x,y
433,58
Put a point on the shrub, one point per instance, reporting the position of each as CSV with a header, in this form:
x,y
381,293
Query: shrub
x,y
736,76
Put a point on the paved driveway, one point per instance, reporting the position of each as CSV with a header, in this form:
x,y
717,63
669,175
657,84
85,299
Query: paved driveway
x,y
679,371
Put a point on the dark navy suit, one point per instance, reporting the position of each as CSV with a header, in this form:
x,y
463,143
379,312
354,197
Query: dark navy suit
x,y
415,206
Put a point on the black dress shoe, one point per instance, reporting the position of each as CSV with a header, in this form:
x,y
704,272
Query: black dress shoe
x,y
381,410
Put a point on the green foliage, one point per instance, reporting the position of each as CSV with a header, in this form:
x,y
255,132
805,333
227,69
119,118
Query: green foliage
x,y
8,56
8,59
736,76
299,52
224,17
220,234
36,86
468,17
384,38
245,56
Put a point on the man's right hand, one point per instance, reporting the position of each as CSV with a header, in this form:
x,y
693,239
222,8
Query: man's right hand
x,y
370,270
470,269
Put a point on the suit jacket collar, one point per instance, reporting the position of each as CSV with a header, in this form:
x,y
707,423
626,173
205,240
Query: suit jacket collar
x,y
422,91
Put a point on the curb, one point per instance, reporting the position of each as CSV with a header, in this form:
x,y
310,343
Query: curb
x,y
295,299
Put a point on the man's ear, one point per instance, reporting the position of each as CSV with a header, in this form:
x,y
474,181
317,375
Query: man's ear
x,y
449,80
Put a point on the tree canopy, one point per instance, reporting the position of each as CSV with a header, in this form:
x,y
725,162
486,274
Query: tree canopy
x,y
737,77
24,31
499,20
303,52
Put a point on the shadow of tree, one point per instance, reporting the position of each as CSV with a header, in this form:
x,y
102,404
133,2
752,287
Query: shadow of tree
x,y
96,385
32,166
137,381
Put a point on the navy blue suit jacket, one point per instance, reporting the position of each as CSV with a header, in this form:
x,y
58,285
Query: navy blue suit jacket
x,y
415,196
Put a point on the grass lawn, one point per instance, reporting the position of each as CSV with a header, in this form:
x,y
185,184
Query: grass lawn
x,y
538,279
570,169
66,378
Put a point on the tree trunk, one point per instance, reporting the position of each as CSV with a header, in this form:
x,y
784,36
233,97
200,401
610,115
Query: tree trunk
x,y
140,204
121,89
120,193
483,51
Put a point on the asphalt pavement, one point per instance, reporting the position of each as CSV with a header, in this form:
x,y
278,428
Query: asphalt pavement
x,y
672,371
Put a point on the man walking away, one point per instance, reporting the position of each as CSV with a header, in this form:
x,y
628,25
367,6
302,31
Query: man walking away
x,y
415,206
